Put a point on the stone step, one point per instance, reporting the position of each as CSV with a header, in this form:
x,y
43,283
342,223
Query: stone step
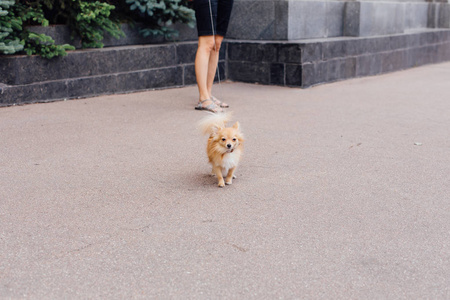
x,y
83,73
19,70
307,63
89,86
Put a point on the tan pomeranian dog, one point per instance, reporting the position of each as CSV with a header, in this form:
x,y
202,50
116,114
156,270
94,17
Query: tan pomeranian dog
x,y
224,147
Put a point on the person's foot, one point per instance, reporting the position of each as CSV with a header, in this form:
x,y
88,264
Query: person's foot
x,y
209,105
219,103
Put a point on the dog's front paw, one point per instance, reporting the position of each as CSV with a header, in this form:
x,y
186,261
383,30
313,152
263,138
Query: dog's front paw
x,y
228,182
221,183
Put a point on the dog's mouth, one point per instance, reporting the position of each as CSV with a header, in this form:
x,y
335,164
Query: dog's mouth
x,y
230,150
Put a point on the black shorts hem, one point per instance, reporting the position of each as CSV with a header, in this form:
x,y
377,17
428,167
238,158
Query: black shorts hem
x,y
207,33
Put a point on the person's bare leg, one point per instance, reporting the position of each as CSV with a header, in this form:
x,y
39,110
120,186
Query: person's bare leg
x,y
213,61
212,66
202,64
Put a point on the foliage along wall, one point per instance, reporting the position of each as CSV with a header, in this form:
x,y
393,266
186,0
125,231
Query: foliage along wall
x,y
87,20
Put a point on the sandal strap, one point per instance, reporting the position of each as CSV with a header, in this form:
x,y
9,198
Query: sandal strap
x,y
202,101
213,107
219,102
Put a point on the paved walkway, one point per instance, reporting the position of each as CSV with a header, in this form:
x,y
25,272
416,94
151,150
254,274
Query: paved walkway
x,y
343,193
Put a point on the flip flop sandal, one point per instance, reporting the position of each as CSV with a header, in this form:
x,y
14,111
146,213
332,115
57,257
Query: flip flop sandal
x,y
210,107
219,103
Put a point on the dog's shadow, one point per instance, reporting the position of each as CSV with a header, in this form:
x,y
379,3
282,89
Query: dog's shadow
x,y
203,181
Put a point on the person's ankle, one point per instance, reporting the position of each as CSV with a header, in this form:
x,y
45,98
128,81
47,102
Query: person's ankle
x,y
204,99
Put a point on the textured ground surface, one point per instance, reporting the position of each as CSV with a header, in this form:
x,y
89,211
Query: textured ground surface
x,y
343,192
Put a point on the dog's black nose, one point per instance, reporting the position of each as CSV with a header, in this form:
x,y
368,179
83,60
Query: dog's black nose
x,y
229,145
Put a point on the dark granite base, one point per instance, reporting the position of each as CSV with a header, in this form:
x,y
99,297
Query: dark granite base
x,y
86,73
312,62
92,86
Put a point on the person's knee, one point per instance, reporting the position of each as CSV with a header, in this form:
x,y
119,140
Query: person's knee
x,y
218,42
217,46
206,44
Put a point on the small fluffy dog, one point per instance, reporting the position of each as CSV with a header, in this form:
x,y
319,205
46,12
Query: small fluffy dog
x,y
224,147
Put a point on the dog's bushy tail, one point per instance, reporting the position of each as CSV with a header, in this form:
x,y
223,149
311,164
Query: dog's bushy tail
x,y
209,124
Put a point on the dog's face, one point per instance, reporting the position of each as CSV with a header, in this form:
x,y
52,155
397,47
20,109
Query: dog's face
x,y
228,139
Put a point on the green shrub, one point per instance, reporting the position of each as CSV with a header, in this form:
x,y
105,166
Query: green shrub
x,y
44,46
157,15
92,20
87,19
9,42
15,37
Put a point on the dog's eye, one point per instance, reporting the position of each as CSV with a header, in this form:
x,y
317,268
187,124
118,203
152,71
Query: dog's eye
x,y
234,140
224,139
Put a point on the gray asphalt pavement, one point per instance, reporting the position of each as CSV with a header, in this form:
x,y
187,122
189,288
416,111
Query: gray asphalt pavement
x,y
343,193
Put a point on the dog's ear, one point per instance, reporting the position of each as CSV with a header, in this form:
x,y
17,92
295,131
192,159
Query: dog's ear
x,y
216,129
236,125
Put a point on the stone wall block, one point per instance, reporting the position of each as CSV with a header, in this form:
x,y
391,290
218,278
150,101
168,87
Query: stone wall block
x,y
81,87
186,53
334,49
416,15
352,19
189,75
433,15
307,19
311,52
398,42
373,18
307,75
277,74
332,70
249,72
354,47
412,40
314,73
368,65
8,69
255,52
259,20
393,61
334,22
444,51
444,15
294,75
347,68
105,84
37,69
166,77
289,53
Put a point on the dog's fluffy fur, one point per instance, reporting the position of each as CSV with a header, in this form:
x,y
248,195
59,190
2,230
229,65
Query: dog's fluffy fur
x,y
224,147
